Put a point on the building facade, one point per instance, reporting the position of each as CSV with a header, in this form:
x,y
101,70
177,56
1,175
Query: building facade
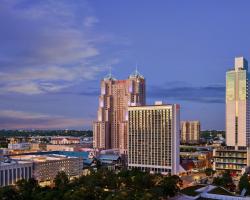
x,y
66,140
153,138
12,171
228,158
235,155
60,147
19,146
47,166
110,129
190,132
237,104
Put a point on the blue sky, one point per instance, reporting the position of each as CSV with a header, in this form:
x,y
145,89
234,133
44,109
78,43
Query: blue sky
x,y
54,53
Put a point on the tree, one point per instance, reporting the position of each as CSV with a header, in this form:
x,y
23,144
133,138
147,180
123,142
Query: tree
x,y
225,181
244,184
209,171
228,181
27,188
100,184
61,180
218,181
79,194
171,185
9,193
142,181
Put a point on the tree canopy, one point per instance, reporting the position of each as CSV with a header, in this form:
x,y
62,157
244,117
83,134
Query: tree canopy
x,y
244,184
98,185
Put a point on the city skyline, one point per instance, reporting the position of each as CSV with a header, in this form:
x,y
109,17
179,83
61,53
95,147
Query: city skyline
x,y
51,67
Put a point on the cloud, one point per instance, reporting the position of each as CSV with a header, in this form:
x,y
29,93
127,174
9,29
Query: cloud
x,y
90,21
48,79
204,94
10,119
45,47
43,33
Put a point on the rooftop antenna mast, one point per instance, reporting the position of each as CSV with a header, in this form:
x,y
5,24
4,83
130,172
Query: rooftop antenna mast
x,y
110,72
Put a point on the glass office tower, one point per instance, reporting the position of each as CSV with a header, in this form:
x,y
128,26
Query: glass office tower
x,y
234,156
237,106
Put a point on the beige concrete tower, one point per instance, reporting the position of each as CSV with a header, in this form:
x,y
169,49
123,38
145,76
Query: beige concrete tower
x,y
190,132
110,129
237,104
154,137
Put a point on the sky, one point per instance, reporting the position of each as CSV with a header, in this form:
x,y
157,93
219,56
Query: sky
x,y
54,53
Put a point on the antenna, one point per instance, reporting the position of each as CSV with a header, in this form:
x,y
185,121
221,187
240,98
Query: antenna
x,y
110,71
109,75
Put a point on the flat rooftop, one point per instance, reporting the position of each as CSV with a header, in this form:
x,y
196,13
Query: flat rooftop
x,y
42,158
13,162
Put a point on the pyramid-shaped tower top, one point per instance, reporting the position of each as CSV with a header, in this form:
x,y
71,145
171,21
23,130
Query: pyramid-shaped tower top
x,y
109,76
136,74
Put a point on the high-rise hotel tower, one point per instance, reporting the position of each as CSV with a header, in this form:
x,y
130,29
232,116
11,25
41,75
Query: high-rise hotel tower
x,y
237,105
154,137
110,129
235,156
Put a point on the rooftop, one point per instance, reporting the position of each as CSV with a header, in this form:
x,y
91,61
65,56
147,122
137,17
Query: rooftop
x,y
158,104
8,162
109,77
42,158
136,74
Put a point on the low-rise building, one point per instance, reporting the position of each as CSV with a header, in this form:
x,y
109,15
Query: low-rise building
x,y
19,146
195,157
1,154
58,147
38,147
12,171
66,140
230,158
46,167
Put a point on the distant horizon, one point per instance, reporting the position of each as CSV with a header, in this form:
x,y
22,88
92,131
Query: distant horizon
x,y
74,130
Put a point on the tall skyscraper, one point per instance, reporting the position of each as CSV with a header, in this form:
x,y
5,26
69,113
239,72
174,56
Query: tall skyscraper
x,y
153,138
237,104
110,129
235,156
190,132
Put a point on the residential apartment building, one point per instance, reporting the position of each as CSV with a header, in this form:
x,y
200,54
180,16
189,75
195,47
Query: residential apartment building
x,y
190,132
153,138
110,129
